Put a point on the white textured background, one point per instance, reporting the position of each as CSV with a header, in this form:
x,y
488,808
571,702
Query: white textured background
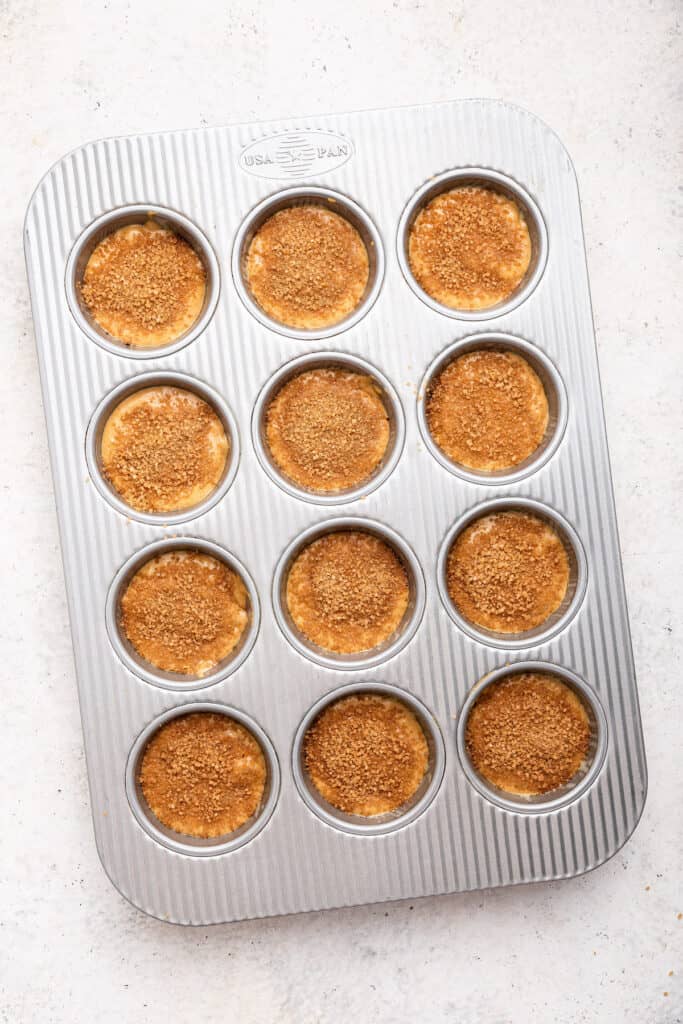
x,y
607,77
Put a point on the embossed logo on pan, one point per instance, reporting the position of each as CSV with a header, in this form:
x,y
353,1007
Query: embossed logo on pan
x,y
296,154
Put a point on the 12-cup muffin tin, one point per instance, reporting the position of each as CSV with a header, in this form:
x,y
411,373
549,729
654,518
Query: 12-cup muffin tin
x,y
377,168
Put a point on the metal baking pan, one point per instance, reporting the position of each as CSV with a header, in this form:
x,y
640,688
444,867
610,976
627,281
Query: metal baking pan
x,y
214,186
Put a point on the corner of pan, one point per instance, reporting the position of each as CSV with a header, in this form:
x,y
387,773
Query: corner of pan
x,y
519,111
70,155
116,883
622,838
47,175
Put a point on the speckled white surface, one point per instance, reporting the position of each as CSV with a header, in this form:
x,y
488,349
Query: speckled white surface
x,y
606,77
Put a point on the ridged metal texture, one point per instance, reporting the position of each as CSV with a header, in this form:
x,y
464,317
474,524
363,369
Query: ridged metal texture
x,y
298,862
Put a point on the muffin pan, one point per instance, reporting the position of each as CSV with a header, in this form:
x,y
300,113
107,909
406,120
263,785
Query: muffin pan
x,y
457,833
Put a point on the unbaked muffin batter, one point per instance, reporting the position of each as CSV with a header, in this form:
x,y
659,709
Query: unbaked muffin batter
x,y
203,774
528,734
307,267
184,611
487,410
508,571
327,429
163,449
469,248
144,285
347,592
366,754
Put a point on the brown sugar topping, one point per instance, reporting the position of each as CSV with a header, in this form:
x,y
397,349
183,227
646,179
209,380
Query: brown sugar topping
x,y
203,774
528,734
347,591
469,248
164,449
487,410
307,267
184,611
144,284
328,429
366,754
508,571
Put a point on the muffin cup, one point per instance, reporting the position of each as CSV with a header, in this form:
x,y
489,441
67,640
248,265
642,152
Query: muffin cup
x,y
121,218
552,384
336,203
562,795
93,441
195,846
576,588
329,360
484,178
376,655
379,824
139,665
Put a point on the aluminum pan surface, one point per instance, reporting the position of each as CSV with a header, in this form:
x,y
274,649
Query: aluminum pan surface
x,y
297,862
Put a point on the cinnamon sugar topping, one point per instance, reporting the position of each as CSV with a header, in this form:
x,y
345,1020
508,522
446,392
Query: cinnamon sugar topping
x,y
366,754
469,248
528,734
508,571
184,611
164,449
203,774
347,591
144,285
328,429
487,410
307,267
